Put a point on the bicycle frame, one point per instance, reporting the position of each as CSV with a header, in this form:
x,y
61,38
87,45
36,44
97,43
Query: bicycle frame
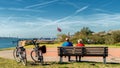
x,y
19,54
38,57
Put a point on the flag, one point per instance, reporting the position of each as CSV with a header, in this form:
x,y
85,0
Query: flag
x,y
59,29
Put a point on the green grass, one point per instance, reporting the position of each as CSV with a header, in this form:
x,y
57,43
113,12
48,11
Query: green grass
x,y
47,45
7,63
7,49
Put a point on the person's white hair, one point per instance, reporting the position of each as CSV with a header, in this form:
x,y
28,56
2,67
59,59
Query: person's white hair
x,y
80,40
67,39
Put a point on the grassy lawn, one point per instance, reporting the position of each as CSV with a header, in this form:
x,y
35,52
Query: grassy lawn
x,y
7,49
47,45
7,63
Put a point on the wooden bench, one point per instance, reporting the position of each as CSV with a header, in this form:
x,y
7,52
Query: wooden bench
x,y
83,51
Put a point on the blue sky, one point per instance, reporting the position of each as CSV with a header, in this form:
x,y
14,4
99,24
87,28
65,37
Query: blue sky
x,y
40,18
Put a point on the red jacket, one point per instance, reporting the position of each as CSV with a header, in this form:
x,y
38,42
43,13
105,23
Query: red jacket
x,y
80,44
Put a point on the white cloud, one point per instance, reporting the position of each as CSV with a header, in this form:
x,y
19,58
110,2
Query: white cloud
x,y
97,22
39,27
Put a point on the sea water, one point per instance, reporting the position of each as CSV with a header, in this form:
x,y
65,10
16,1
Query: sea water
x,y
7,42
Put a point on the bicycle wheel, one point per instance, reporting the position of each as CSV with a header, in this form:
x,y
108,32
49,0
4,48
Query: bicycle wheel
x,y
37,57
34,56
23,58
16,55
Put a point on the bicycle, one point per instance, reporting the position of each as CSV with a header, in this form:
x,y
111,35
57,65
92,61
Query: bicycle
x,y
19,54
37,52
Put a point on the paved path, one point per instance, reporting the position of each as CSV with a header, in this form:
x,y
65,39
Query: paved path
x,y
51,55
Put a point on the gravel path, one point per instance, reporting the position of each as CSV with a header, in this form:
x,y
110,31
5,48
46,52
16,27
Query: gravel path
x,y
51,55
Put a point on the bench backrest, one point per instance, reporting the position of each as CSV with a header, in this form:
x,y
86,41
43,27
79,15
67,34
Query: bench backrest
x,y
83,51
69,51
95,51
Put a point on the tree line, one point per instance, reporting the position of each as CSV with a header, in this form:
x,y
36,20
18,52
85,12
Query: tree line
x,y
90,37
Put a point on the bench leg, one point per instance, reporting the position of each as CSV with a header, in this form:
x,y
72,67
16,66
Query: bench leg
x,y
104,60
68,58
60,59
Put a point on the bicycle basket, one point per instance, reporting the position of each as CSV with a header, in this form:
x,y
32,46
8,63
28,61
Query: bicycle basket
x,y
22,48
43,48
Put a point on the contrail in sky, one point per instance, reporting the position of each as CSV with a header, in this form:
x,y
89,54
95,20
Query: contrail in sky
x,y
81,9
77,11
41,4
105,11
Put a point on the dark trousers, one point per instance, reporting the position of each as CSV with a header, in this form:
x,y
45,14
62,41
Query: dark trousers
x,y
78,58
69,58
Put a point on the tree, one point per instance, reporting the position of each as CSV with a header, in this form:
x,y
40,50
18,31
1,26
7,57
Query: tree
x,y
97,39
84,33
61,37
113,37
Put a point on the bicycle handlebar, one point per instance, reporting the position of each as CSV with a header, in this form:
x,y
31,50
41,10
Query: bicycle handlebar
x,y
34,42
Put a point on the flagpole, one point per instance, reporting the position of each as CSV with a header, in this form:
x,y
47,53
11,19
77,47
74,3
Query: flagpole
x,y
68,34
59,30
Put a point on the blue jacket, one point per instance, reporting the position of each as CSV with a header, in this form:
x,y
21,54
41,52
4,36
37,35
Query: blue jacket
x,y
67,44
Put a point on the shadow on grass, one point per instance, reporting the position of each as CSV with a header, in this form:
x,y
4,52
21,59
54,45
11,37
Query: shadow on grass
x,y
63,63
112,63
91,63
47,63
